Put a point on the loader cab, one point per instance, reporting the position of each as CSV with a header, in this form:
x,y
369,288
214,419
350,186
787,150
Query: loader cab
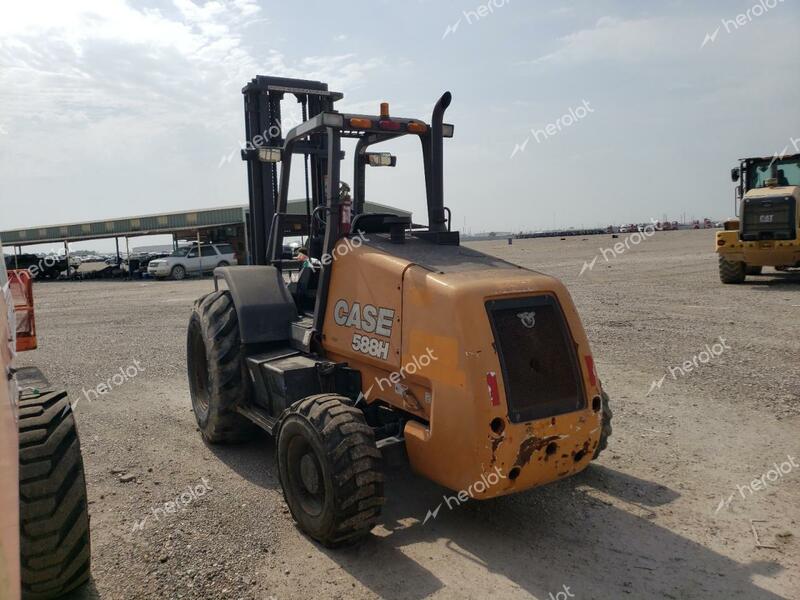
x,y
772,171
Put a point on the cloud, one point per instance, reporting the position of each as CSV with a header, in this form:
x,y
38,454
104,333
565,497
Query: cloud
x,y
619,40
673,40
104,74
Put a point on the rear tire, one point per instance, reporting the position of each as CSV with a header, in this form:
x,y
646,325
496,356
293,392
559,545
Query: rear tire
x,y
752,270
605,431
178,272
329,468
54,513
216,369
731,271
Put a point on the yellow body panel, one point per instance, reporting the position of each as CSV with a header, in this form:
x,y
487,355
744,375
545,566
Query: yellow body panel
x,y
442,316
763,253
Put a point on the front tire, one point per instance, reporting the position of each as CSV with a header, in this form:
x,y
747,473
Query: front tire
x,y
329,468
54,514
731,271
216,369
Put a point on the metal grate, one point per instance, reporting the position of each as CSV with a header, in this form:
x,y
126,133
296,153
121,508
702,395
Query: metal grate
x,y
768,219
537,356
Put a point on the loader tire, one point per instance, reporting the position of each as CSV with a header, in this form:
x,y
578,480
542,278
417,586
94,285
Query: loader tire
x,y
53,510
215,364
605,431
731,272
329,468
752,270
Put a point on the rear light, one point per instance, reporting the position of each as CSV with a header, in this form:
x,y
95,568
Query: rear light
x,y
417,127
390,125
491,383
360,123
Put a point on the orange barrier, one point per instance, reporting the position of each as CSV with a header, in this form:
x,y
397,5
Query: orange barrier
x,y
21,284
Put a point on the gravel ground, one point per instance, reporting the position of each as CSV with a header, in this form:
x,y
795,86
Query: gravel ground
x,y
664,513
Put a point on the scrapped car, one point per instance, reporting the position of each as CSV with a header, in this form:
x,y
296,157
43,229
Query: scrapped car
x,y
187,260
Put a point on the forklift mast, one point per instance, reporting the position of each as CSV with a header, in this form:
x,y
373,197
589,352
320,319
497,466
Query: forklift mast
x,y
330,213
263,128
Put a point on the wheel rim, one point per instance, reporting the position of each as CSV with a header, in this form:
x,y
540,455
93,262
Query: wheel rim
x,y
178,272
198,370
305,476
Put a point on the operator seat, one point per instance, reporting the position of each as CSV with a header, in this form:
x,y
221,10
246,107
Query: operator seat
x,y
305,292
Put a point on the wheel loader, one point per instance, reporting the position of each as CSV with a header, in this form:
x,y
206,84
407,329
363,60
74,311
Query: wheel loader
x,y
44,513
766,233
392,337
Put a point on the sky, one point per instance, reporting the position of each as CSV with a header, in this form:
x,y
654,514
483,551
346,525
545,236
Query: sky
x,y
566,114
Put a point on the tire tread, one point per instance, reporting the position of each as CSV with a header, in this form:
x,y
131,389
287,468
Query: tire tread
x,y
54,513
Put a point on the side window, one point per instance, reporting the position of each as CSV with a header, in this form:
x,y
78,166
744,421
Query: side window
x,y
225,248
192,253
207,251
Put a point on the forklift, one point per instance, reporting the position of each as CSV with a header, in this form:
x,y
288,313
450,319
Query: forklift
x,y
477,369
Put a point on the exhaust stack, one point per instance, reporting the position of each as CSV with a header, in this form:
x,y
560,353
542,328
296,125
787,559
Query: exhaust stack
x,y
436,213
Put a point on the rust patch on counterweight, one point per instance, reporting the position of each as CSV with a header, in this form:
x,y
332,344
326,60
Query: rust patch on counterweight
x,y
531,445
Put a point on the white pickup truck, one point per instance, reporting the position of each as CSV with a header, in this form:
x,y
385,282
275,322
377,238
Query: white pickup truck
x,y
188,260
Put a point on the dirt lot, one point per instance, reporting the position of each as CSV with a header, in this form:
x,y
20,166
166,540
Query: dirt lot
x,y
664,513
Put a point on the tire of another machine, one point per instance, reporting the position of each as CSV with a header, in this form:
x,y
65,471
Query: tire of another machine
x,y
752,270
215,364
54,514
605,432
731,272
330,469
